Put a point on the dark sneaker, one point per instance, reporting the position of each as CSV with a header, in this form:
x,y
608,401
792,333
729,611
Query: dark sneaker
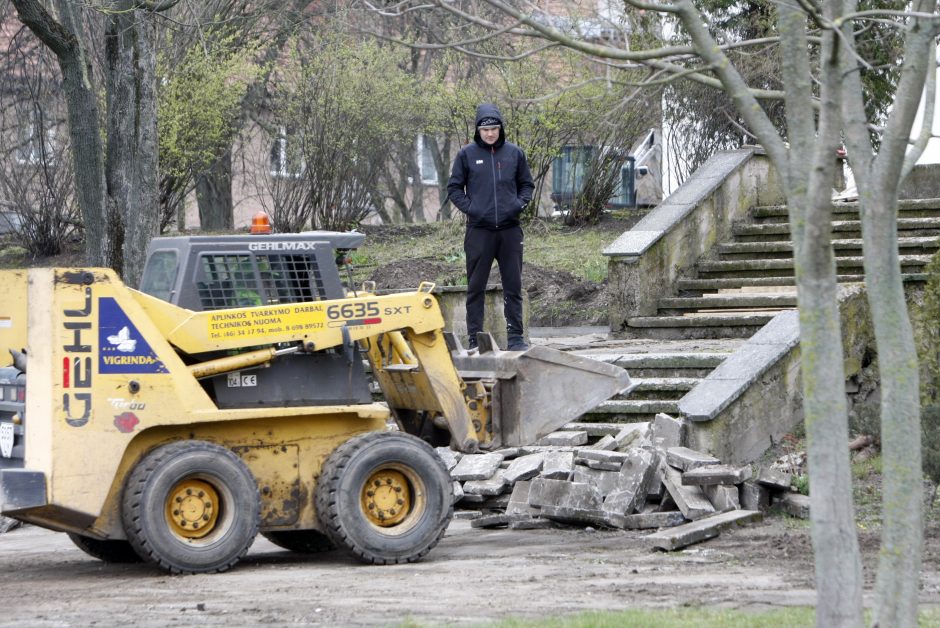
x,y
517,344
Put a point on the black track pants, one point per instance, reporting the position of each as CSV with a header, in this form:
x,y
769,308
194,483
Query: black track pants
x,y
482,246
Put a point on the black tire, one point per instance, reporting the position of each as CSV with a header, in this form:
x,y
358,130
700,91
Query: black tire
x,y
197,484
302,541
406,469
111,551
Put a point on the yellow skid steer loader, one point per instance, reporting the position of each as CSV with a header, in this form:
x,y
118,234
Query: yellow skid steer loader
x,y
229,396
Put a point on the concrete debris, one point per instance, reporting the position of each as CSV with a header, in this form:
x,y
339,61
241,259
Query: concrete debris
x,y
7,524
476,467
698,531
565,438
774,478
716,474
524,468
449,456
557,465
795,505
622,479
667,432
467,514
687,459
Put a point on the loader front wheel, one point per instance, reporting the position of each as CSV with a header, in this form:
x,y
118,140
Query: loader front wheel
x,y
385,496
191,507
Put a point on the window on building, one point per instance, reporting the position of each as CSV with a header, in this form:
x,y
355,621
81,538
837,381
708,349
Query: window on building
x,y
571,167
35,140
426,166
287,154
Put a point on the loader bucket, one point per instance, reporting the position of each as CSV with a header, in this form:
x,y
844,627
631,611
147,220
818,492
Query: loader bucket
x,y
535,392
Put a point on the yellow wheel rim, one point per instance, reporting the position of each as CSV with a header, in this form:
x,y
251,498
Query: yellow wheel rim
x,y
192,509
387,497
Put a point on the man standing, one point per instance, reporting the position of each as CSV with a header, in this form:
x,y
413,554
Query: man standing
x,y
491,183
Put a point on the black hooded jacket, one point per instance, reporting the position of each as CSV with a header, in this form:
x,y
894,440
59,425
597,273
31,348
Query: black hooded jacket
x,y
490,184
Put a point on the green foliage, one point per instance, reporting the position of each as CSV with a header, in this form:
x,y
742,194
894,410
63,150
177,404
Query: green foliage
x,y
800,483
199,101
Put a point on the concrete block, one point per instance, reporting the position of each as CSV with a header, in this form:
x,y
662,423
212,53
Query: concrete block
x,y
524,468
476,467
458,491
690,499
773,478
636,476
795,505
630,434
467,515
519,501
497,502
604,481
606,442
532,523
449,456
495,485
657,489
667,431
573,495
716,474
581,516
701,530
687,459
557,465
599,455
568,439
603,466
723,498
755,496
510,452
646,521
490,521
474,500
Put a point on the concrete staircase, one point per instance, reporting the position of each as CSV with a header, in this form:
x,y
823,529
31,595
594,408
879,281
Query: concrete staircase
x,y
740,286
747,280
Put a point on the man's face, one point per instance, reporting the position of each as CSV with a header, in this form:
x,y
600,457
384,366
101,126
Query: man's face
x,y
489,134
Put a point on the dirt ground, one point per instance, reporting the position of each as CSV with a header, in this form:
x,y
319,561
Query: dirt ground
x,y
472,576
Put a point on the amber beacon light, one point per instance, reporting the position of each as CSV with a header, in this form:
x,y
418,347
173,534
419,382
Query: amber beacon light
x,y
260,223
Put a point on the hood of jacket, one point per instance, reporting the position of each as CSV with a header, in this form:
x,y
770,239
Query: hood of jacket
x,y
488,110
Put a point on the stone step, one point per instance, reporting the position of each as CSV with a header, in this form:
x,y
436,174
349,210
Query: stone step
x,y
906,208
647,384
730,283
741,300
637,406
784,248
690,366
929,226
713,325
758,267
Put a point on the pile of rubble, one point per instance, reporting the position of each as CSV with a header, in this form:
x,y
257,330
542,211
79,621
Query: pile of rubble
x,y
636,476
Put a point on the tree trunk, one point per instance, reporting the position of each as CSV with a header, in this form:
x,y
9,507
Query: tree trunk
x,y
214,195
64,39
132,158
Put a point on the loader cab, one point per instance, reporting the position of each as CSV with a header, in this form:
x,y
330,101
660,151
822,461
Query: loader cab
x,y
202,273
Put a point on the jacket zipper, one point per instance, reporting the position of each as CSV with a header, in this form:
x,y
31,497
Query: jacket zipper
x,y
495,191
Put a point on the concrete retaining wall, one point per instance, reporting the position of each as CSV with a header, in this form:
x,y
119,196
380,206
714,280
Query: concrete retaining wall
x,y
645,262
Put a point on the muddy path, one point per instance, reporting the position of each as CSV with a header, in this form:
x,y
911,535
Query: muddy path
x,y
472,576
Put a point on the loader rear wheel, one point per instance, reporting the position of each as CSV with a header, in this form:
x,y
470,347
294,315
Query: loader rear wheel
x,y
191,507
110,551
384,496
301,541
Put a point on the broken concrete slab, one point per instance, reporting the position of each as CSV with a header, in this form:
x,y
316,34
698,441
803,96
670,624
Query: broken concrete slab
x,y
495,485
716,474
657,489
723,498
467,514
606,442
687,459
602,465
599,455
532,523
795,505
701,530
636,476
773,478
490,521
519,501
755,496
472,499
476,466
557,465
510,452
565,438
498,502
589,516
604,481
667,431
458,491
646,521
449,456
691,500
630,434
524,468
560,493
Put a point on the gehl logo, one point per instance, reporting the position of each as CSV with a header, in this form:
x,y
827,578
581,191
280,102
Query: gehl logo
x,y
76,365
